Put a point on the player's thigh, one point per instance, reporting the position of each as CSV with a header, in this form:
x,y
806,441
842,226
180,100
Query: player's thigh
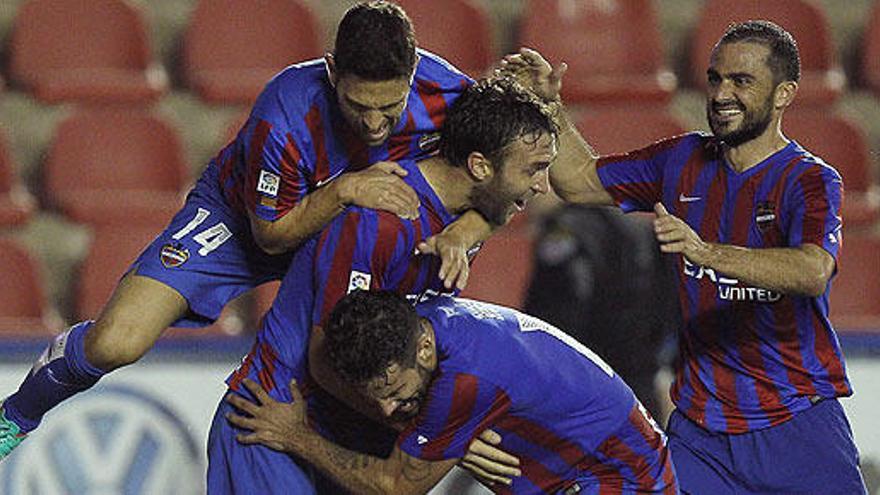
x,y
701,459
234,468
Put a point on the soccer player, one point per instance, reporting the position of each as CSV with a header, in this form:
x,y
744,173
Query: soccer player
x,y
754,221
452,367
295,165
496,147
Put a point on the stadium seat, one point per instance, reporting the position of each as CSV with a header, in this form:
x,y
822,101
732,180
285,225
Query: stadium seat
x,y
612,47
16,203
114,165
822,80
24,311
459,31
501,271
870,51
855,291
113,249
232,48
842,144
618,130
98,50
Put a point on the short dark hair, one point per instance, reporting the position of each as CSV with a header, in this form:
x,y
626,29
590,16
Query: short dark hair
x,y
367,331
375,41
784,59
490,115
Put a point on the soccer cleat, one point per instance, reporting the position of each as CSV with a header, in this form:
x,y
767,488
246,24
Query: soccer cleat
x,y
10,435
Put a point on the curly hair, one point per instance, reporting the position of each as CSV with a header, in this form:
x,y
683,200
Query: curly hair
x,y
375,41
784,59
489,116
367,331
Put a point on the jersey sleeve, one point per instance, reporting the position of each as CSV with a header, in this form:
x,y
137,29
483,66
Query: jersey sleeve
x,y
635,179
361,249
814,201
459,406
275,143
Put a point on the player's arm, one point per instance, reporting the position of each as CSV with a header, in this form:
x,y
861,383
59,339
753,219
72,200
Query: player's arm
x,y
573,175
380,187
284,427
453,244
803,270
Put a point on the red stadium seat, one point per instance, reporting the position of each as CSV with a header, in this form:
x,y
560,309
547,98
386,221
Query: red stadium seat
x,y
871,51
24,310
459,31
822,80
842,144
618,130
64,50
855,291
233,47
115,165
501,271
113,249
16,203
612,47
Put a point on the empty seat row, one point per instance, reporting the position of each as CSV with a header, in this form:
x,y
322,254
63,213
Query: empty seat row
x,y
63,50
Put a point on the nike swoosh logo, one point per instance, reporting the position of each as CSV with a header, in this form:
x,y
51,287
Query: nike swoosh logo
x,y
688,199
328,179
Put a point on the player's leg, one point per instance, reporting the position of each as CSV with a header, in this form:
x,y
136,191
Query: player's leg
x,y
239,469
813,452
702,460
139,310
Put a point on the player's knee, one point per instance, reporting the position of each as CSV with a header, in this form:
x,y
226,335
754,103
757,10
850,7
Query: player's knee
x,y
116,343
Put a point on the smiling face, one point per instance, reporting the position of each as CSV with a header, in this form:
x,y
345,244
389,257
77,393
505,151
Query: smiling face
x,y
740,97
522,174
372,108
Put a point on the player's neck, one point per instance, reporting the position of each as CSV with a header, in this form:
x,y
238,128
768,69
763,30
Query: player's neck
x,y
451,184
751,153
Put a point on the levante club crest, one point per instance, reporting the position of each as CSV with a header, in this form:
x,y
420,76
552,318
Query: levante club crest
x,y
173,255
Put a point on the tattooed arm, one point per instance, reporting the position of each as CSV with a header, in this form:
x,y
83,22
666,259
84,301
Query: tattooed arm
x,y
284,427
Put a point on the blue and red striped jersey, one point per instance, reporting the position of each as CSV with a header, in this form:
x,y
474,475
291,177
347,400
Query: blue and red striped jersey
x,y
750,357
296,138
557,406
360,249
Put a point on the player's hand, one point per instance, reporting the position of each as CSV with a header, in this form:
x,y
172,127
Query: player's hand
x,y
452,250
533,71
487,463
676,236
380,187
277,425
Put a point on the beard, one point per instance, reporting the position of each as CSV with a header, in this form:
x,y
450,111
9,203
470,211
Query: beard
x,y
754,123
492,201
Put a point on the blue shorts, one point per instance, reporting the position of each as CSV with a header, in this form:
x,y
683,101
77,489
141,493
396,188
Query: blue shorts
x,y
812,453
207,254
234,468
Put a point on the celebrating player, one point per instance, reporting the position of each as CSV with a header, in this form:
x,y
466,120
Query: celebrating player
x,y
294,166
453,367
754,220
496,147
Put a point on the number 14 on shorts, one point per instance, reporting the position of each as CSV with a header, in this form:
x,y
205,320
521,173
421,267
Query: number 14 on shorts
x,y
209,239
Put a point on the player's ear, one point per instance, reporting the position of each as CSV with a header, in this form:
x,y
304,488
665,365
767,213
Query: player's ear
x,y
479,166
331,68
425,350
784,94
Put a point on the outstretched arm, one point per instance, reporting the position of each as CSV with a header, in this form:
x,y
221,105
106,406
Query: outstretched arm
x,y
573,175
379,187
284,427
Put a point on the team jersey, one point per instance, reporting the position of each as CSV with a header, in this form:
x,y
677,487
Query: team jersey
x,y
750,357
572,422
360,249
296,138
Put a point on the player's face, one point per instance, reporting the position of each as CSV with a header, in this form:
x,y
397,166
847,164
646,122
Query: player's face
x,y
372,108
739,103
399,394
523,173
